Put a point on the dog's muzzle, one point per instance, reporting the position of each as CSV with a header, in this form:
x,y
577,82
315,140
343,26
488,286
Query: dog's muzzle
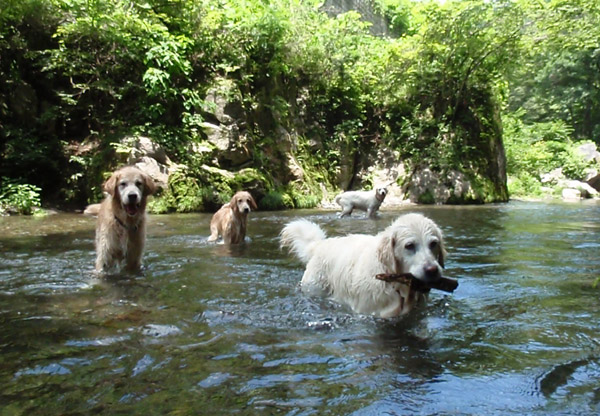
x,y
432,273
132,205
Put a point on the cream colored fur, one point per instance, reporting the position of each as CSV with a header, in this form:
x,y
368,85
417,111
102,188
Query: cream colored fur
x,y
344,268
368,201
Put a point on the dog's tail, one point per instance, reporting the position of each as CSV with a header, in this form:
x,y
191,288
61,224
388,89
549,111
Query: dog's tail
x,y
299,235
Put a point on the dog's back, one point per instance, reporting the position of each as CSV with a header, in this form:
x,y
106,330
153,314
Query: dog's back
x,y
299,236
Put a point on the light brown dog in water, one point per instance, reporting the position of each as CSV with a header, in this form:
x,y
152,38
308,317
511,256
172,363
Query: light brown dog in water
x,y
121,224
231,219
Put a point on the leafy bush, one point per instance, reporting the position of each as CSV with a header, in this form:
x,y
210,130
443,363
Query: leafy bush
x,y
18,198
538,148
275,200
183,194
525,184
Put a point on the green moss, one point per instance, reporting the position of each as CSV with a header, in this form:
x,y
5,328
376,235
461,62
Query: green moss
x,y
275,200
426,198
524,185
253,180
183,194
306,201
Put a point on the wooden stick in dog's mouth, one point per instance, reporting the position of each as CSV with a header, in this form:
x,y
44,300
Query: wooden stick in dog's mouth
x,y
443,283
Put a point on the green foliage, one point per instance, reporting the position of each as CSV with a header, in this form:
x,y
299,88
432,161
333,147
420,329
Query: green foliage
x,y
536,149
288,198
397,14
75,72
559,77
275,200
426,198
525,185
183,194
302,199
18,198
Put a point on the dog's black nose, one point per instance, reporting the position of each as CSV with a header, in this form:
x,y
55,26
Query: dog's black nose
x,y
432,272
246,210
132,197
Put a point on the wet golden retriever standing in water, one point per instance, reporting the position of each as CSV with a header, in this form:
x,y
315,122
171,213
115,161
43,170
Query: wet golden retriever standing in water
x,y
121,224
231,219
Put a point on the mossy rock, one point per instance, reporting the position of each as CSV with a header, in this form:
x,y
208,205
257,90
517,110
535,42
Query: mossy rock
x,y
275,200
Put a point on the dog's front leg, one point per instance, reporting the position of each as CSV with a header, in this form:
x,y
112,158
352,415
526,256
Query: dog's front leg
x,y
106,258
394,308
346,211
135,249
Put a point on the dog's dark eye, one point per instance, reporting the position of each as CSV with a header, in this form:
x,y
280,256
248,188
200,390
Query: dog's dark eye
x,y
123,184
410,246
138,184
433,245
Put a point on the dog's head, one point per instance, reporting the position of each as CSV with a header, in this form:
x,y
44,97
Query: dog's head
x,y
380,193
130,187
242,203
413,244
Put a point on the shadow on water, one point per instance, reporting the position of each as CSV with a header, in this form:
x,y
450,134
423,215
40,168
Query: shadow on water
x,y
211,328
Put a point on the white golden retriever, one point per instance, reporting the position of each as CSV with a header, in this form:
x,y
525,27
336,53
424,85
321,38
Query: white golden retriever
x,y
231,220
344,268
368,201
121,223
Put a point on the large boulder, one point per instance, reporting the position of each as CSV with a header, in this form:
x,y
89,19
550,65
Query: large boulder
x,y
149,157
594,181
224,103
571,194
141,147
157,171
584,189
230,146
427,187
589,152
224,124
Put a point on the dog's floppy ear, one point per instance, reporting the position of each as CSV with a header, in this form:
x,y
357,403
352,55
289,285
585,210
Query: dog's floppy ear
x,y
110,186
253,204
233,203
385,253
149,185
442,254
441,257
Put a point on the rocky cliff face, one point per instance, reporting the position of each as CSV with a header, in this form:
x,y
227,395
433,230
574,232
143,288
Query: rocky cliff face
x,y
379,26
290,159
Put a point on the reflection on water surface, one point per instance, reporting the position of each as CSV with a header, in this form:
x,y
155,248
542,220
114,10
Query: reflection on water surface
x,y
217,329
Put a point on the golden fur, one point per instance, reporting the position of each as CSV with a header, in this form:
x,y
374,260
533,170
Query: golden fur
x,y
121,223
92,209
231,219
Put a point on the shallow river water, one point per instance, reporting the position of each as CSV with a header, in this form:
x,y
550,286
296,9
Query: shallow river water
x,y
211,329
